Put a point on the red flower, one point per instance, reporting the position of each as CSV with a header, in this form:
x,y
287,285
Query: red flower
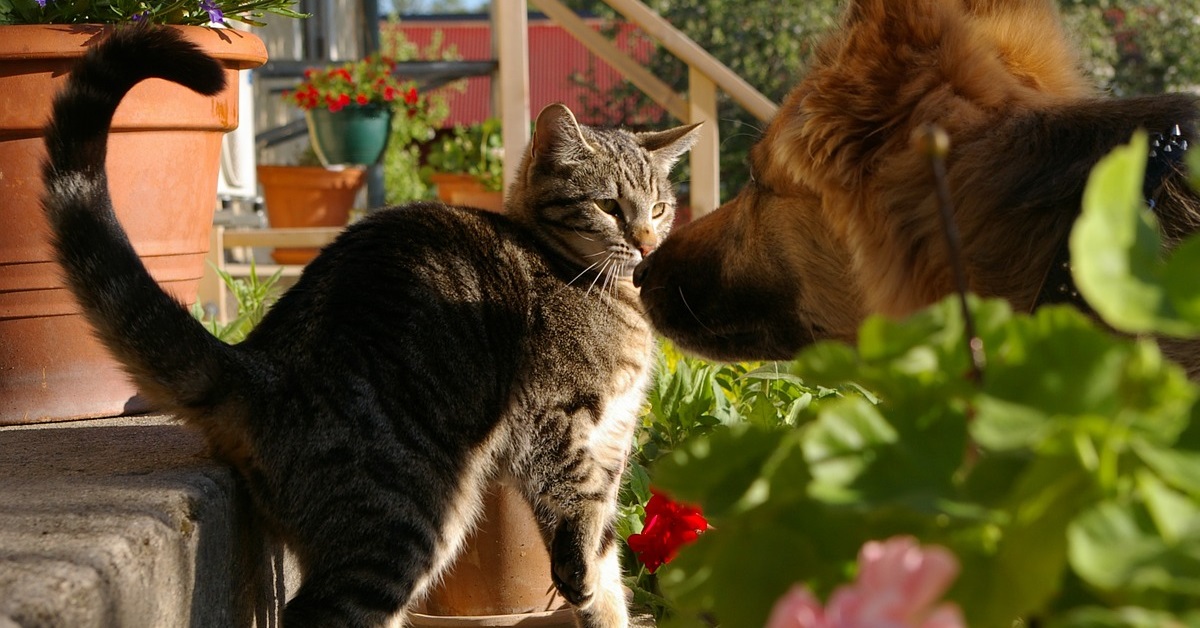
x,y
361,82
669,526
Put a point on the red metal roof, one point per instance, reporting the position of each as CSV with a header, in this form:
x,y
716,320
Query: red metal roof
x,y
554,57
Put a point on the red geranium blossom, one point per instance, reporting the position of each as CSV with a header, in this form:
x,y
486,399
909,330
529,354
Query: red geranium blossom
x,y
367,82
669,526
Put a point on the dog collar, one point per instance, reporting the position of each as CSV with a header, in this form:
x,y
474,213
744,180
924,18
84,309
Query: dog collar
x,y
1058,286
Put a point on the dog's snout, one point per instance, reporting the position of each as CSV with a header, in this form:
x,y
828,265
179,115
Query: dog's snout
x,y
639,272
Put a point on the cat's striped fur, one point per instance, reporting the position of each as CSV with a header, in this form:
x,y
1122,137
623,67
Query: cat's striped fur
x,y
427,351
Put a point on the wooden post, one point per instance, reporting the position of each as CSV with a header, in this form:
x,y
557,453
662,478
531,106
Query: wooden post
x,y
510,43
705,157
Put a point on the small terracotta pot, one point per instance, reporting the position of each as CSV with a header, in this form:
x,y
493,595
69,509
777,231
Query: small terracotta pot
x,y
485,199
163,159
450,184
308,196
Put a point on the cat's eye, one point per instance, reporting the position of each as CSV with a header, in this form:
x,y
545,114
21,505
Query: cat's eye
x,y
660,208
609,206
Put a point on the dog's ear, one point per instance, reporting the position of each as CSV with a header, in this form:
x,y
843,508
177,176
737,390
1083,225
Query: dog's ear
x,y
1060,145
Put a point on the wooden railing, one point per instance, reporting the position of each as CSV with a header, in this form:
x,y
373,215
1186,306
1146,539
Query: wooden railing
x,y
705,75
212,288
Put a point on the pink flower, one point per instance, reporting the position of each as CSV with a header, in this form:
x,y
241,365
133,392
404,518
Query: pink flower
x,y
898,585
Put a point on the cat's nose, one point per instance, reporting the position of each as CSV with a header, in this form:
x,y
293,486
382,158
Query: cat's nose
x,y
639,271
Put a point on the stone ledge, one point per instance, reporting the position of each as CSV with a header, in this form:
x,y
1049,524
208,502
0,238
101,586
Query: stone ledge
x,y
126,522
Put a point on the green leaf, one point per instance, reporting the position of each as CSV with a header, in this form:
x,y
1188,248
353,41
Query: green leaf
x,y
733,469
1057,362
827,363
1115,249
1174,515
839,445
1178,467
1016,564
1115,548
1180,280
1002,425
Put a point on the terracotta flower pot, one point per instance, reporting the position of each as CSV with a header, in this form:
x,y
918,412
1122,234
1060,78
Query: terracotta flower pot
x,y
502,576
308,196
466,189
450,184
163,161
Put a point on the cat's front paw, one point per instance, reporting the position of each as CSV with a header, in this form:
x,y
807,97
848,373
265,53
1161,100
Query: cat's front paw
x,y
569,569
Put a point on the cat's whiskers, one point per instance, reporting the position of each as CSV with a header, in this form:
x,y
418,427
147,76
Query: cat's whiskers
x,y
584,271
611,282
603,268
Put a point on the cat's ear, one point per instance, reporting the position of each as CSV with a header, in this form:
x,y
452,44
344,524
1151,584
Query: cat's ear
x,y
668,146
557,137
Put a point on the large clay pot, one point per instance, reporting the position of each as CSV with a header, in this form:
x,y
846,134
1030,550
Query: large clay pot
x,y
163,160
308,196
502,576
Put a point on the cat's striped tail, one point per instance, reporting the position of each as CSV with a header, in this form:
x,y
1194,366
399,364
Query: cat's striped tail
x,y
172,358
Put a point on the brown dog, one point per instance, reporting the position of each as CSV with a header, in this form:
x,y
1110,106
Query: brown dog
x,y
841,218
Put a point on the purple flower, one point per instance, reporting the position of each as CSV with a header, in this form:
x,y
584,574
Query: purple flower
x,y
41,3
215,14
138,17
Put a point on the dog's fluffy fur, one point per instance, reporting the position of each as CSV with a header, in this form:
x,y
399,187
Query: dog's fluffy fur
x,y
841,219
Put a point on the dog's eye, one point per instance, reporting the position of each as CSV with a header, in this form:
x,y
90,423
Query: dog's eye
x,y
609,206
660,208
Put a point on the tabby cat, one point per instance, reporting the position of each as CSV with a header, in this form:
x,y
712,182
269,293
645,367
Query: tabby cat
x,y
427,351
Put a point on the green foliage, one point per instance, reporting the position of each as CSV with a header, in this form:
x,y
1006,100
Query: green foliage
x,y
1067,481
1029,478
254,297
476,149
402,157
1138,46
186,12
691,398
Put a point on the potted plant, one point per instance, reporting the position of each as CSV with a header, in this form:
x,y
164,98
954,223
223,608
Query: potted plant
x,y
351,109
467,165
162,133
308,194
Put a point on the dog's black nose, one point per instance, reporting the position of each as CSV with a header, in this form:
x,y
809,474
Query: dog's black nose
x,y
639,272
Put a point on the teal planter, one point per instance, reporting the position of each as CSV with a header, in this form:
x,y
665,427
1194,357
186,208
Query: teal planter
x,y
354,135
